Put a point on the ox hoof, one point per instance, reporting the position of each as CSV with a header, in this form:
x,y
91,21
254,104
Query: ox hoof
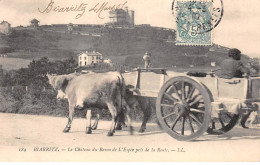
x,y
110,133
245,127
131,130
67,129
118,127
141,130
124,125
88,130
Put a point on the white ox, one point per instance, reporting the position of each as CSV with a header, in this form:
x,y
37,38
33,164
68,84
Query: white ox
x,y
101,90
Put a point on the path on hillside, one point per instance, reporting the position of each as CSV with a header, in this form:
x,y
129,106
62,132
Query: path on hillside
x,y
33,133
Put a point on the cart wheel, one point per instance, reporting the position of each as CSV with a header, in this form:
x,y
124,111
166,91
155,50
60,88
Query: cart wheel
x,y
223,124
183,108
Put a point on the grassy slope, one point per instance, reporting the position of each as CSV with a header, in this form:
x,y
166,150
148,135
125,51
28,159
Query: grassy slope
x,y
121,45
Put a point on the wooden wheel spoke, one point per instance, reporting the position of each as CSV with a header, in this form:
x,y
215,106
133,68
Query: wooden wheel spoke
x,y
171,97
183,90
196,120
222,123
183,125
195,101
175,121
170,114
191,91
190,124
167,105
194,98
197,110
176,91
181,108
229,116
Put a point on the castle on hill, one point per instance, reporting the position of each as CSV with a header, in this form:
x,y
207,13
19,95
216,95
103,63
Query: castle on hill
x,y
122,18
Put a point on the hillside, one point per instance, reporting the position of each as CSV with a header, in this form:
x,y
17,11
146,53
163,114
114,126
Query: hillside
x,y
126,46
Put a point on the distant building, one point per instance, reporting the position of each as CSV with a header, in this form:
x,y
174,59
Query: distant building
x,y
5,27
120,17
108,61
35,23
89,58
213,64
218,48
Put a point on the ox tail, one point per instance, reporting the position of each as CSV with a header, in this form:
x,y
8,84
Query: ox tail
x,y
121,84
122,88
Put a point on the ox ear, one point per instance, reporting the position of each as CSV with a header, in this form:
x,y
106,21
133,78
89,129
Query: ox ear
x,y
51,79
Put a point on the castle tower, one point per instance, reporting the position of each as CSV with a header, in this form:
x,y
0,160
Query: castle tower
x,y
122,17
131,20
70,27
5,27
34,23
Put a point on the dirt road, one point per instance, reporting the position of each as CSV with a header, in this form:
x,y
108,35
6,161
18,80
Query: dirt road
x,y
40,138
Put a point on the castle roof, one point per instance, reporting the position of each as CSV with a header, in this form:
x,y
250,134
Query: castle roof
x,y
34,21
90,53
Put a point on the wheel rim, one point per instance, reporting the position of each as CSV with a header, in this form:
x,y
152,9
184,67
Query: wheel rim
x,y
224,123
183,108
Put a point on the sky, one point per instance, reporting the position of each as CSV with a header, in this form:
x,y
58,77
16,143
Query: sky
x,y
239,27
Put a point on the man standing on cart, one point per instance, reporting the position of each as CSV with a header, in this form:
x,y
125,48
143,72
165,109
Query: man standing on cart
x,y
147,60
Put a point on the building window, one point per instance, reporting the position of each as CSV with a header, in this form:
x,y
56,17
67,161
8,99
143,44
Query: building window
x,y
85,58
80,63
80,58
85,63
92,57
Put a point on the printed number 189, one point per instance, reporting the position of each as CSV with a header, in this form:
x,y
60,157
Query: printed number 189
x,y
22,149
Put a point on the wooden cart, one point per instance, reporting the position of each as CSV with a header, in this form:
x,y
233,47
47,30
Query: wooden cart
x,y
187,106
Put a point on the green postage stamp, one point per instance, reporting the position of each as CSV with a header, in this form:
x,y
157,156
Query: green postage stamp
x,y
195,20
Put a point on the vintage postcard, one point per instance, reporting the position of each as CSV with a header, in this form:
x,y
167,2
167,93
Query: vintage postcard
x,y
129,81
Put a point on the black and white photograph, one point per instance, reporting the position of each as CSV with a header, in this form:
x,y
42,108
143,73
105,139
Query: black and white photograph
x,y
129,81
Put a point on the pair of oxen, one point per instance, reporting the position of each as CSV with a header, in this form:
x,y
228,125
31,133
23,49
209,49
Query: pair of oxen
x,y
99,90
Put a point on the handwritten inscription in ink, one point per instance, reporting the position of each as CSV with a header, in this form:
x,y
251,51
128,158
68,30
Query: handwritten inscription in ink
x,y
81,8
